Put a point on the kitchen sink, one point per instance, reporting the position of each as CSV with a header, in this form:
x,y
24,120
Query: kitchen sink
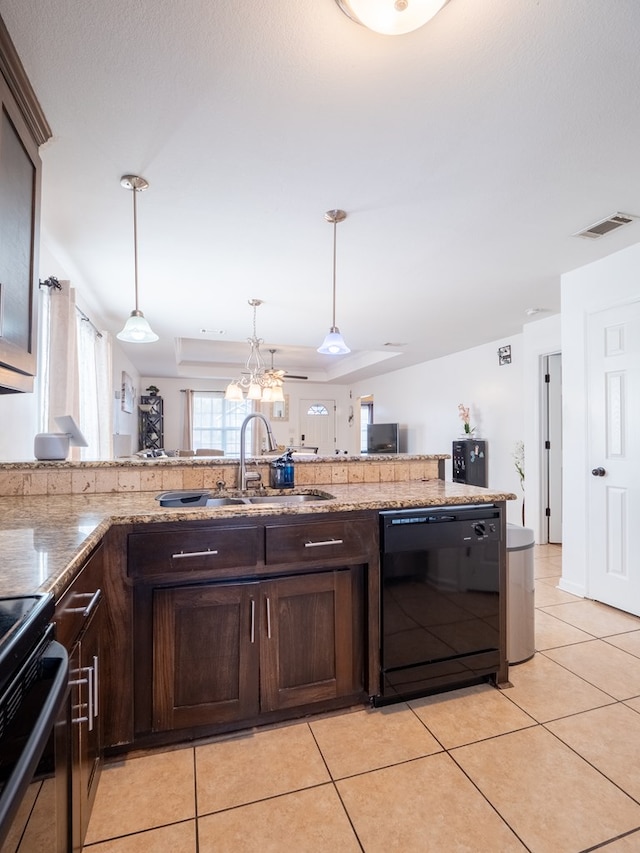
x,y
183,498
287,499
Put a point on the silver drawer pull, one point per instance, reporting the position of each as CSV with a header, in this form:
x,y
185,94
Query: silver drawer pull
x,y
207,553
322,544
86,611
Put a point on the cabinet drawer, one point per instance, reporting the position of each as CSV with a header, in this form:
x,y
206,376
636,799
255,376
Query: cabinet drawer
x,y
193,551
319,540
78,603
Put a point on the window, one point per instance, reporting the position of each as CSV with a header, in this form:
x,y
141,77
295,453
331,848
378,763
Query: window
x,y
217,422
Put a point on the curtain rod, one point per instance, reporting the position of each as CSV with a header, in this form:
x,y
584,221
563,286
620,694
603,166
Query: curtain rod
x,y
201,390
93,326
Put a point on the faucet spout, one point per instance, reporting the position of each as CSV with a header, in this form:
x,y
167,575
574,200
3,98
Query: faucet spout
x,y
245,475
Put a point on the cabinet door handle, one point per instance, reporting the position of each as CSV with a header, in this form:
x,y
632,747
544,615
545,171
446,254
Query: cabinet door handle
x,y
268,618
90,709
253,620
95,686
323,543
86,611
207,553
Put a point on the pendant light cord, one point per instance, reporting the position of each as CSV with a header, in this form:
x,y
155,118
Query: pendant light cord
x,y
135,243
333,320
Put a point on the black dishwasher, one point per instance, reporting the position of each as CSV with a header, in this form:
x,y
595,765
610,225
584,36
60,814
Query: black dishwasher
x,y
440,599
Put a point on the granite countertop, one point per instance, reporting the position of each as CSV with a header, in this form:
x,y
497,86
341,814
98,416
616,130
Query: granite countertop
x,y
44,540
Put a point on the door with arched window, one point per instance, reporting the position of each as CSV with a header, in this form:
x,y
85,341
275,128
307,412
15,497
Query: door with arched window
x,y
318,425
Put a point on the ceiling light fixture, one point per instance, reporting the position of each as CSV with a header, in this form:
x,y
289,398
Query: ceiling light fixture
x,y
137,329
334,344
259,383
391,17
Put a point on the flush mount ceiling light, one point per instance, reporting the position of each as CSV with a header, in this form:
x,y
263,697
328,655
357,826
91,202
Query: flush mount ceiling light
x,y
391,17
258,383
137,329
334,343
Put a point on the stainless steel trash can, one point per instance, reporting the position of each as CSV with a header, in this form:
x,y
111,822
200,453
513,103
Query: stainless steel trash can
x,y
520,594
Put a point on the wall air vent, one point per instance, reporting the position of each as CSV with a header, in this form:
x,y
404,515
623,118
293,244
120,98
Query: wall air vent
x,y
605,226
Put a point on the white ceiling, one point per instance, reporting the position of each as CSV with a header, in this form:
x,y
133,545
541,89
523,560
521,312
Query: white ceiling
x,y
466,154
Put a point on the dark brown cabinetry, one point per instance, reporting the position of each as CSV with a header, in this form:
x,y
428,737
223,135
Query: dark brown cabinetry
x,y
227,652
79,627
22,129
246,621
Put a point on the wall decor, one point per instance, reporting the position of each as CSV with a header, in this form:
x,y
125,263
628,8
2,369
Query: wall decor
x,y
280,410
504,354
128,393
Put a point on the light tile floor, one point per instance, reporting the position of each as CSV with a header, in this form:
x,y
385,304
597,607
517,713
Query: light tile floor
x,y
549,765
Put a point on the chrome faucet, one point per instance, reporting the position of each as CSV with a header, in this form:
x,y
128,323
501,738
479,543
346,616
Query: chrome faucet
x,y
271,442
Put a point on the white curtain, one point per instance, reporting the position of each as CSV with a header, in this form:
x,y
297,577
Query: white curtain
x,y
187,421
94,356
63,391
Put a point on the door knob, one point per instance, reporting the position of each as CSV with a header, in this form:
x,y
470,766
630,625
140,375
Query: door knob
x,y
598,472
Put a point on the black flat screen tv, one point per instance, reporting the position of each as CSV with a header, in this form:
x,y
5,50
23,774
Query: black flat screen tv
x,y
382,438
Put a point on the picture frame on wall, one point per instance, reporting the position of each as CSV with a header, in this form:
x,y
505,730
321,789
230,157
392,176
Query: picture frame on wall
x,y
127,398
280,410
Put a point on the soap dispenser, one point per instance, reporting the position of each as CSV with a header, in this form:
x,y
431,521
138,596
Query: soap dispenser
x,y
281,474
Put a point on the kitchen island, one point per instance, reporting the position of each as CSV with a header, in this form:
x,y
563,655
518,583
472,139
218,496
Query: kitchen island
x,y
190,622
45,539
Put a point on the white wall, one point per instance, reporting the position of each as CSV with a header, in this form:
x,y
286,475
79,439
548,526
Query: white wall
x,y
125,424
615,279
424,399
19,419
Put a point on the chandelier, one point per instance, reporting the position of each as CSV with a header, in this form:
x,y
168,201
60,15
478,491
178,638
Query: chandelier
x,y
258,383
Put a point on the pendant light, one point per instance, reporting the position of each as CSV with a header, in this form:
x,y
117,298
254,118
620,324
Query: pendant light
x,y
137,329
391,17
334,344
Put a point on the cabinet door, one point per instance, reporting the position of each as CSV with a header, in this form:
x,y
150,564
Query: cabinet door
x,y
91,730
19,200
205,666
86,741
307,652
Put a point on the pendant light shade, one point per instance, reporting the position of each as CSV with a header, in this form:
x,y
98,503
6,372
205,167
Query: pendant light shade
x,y
334,344
391,17
137,329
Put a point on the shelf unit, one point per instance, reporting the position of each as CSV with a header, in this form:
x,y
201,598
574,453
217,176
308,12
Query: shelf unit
x,y
151,427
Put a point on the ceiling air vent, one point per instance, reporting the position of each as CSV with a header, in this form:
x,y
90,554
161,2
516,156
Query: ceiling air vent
x,y
604,226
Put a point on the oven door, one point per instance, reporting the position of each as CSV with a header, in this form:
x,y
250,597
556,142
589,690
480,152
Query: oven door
x,y
34,756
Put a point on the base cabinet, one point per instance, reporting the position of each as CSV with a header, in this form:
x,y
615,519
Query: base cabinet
x,y
79,625
231,651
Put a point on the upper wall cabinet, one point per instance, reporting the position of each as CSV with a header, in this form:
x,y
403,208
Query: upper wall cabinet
x,y
23,128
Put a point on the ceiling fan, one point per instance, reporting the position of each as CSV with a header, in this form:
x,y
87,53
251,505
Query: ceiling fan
x,y
280,375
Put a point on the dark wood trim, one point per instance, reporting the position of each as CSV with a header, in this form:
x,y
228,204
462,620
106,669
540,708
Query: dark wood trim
x,y
20,87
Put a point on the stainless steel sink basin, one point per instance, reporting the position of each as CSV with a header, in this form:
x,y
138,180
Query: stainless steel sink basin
x,y
287,499
224,501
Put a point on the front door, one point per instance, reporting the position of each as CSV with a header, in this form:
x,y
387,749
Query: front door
x,y
613,353
318,425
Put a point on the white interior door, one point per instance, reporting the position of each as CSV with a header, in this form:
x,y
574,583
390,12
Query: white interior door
x,y
613,475
318,425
